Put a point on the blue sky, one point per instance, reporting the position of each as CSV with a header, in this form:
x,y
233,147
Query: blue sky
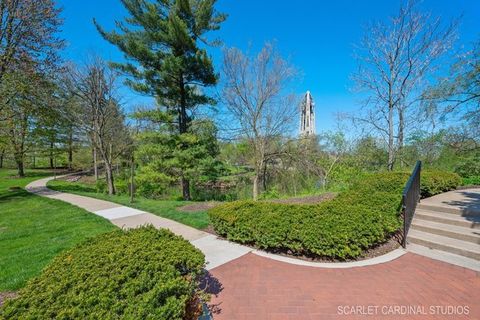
x,y
317,35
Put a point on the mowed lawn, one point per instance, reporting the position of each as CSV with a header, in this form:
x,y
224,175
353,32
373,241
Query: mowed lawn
x,y
163,208
33,229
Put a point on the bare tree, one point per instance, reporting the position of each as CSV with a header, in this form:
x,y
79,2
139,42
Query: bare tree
x,y
395,62
458,94
99,113
334,146
254,93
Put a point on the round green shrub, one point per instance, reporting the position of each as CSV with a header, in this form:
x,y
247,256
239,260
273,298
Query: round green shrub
x,y
138,274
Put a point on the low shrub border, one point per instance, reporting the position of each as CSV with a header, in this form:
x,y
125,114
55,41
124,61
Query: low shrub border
x,y
435,182
342,228
138,274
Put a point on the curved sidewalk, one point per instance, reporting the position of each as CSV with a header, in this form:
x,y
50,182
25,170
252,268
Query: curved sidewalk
x,y
250,284
217,251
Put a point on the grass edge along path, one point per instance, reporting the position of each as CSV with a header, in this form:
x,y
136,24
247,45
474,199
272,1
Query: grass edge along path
x,y
162,208
33,229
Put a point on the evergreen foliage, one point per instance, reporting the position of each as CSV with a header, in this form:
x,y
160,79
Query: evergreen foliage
x,y
161,40
138,274
343,228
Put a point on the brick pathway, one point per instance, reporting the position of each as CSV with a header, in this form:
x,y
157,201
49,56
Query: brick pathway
x,y
249,286
254,287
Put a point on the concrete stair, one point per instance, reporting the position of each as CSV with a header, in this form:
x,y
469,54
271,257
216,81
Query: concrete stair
x,y
444,256
446,233
451,219
452,231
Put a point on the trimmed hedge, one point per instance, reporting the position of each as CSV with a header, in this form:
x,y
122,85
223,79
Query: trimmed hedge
x,y
138,274
435,181
342,228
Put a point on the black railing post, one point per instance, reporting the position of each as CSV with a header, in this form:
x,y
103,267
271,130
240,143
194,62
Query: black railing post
x,y
410,198
404,240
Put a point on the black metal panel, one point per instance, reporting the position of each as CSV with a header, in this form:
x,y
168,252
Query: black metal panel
x,y
410,198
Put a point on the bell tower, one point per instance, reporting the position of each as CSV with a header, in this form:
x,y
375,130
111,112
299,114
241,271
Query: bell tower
x,y
307,120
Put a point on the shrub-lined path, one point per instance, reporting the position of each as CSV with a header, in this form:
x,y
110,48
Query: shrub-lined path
x,y
247,284
216,251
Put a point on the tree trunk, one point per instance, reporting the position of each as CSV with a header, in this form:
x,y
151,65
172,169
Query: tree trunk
x,y
54,168
132,178
264,176
186,189
20,165
110,182
51,155
70,149
95,164
18,155
19,145
391,151
183,127
255,187
401,129
2,155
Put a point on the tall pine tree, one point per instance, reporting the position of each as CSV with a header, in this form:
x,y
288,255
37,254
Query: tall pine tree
x,y
160,39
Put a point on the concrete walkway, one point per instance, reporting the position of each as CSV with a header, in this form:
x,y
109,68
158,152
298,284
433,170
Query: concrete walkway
x,y
249,284
217,251
465,200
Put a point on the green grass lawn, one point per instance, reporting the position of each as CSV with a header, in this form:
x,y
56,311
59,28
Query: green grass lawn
x,y
34,229
162,208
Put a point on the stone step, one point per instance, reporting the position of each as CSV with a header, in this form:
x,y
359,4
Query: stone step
x,y
448,218
444,256
447,230
434,241
448,209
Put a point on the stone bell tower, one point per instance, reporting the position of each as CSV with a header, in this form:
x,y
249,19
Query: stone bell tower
x,y
307,120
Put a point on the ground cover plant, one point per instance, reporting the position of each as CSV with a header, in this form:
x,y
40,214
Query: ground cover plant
x,y
34,229
364,216
142,273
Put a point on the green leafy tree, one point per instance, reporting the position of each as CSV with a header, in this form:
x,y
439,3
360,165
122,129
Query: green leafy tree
x,y
160,40
24,111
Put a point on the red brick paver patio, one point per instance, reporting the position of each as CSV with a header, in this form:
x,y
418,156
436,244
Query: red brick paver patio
x,y
410,287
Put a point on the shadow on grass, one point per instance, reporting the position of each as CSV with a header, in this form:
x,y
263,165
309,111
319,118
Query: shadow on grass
x,y
21,194
72,188
31,174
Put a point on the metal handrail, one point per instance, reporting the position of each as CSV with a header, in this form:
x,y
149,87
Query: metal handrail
x,y
410,198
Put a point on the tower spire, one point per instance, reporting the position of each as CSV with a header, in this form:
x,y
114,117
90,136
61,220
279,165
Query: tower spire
x,y
307,120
